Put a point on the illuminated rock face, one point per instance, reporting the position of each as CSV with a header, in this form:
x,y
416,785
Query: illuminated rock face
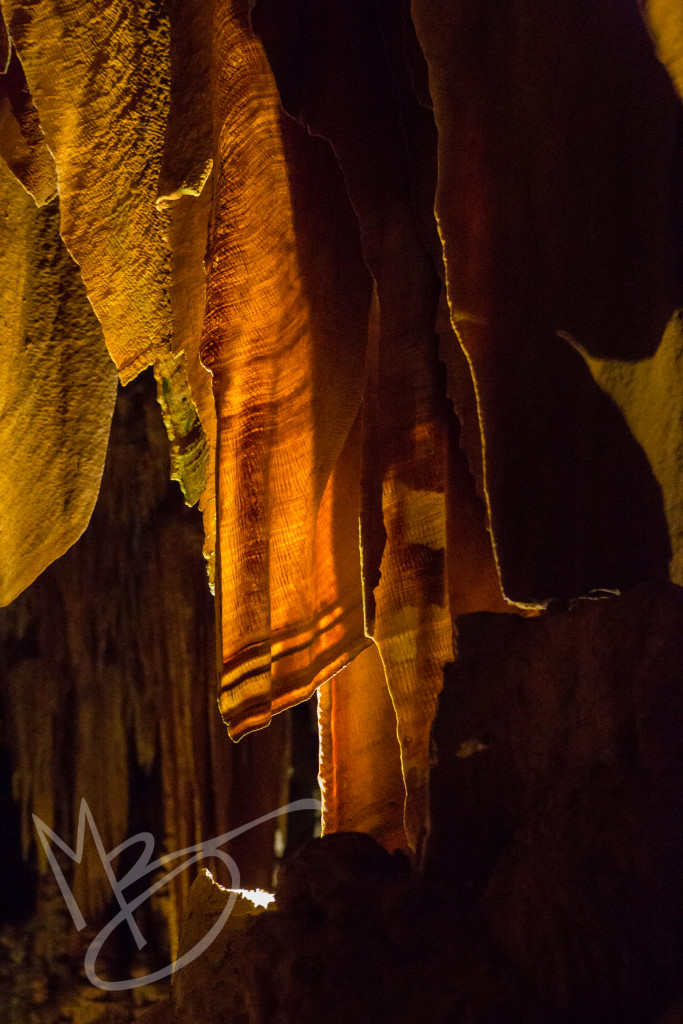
x,y
57,392
409,279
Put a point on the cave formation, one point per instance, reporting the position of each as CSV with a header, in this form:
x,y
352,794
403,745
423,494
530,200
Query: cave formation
x,y
340,376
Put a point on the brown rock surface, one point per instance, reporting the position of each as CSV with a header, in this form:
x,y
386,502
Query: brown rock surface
x,y
355,937
359,766
92,115
554,147
117,637
99,79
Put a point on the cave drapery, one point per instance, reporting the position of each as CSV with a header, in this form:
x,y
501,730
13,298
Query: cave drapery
x,y
409,278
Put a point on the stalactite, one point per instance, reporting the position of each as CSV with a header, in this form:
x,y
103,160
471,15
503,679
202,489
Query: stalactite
x,y
360,765
363,95
558,200
103,109
284,337
57,391
408,276
99,76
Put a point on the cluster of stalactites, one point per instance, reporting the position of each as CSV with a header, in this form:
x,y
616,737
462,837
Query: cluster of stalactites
x,y
252,199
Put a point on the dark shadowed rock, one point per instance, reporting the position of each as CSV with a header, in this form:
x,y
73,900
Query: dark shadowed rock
x,y
556,799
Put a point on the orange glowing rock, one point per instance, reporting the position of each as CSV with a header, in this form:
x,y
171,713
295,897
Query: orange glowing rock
x,y
360,765
284,337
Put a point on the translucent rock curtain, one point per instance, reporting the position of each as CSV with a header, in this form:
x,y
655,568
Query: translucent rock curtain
x,y
361,220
